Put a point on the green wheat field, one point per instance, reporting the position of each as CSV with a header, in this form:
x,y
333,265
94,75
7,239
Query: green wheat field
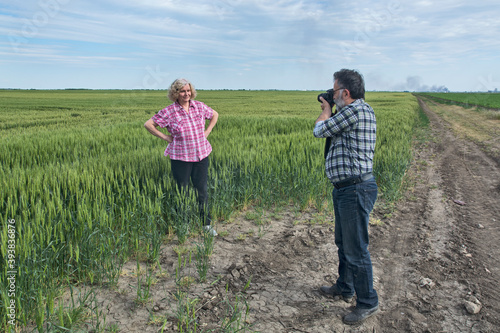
x,y
87,187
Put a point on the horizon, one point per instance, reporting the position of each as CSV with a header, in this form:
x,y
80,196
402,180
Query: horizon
x,y
243,89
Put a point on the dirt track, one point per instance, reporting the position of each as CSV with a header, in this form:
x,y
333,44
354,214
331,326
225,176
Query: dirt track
x,y
442,247
439,249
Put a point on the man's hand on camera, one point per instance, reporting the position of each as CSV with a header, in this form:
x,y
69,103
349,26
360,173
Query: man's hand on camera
x,y
327,110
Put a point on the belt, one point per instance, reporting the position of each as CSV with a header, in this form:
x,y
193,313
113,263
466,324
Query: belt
x,y
353,180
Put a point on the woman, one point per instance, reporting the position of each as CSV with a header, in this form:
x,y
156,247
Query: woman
x,y
188,146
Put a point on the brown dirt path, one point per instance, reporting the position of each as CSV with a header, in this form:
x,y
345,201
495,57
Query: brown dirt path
x,y
444,244
438,250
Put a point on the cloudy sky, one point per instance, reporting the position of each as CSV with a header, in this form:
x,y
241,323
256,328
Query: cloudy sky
x,y
249,44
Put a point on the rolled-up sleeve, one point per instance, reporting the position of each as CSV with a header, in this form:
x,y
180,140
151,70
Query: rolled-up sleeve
x,y
209,112
161,118
319,129
340,122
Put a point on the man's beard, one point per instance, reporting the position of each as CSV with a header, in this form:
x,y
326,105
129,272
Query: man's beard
x,y
339,102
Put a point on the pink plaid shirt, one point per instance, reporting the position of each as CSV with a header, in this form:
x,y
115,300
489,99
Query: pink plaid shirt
x,y
187,129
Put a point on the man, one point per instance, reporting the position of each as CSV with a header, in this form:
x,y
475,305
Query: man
x,y
349,161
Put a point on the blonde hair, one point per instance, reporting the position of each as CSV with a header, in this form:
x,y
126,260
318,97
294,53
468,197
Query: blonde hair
x,y
176,86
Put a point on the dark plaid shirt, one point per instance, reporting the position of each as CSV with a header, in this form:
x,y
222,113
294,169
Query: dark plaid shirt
x,y
353,130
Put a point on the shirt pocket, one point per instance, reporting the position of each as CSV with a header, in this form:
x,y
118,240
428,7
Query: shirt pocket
x,y
175,127
199,122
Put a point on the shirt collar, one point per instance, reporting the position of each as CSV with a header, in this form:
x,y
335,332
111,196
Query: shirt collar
x,y
177,104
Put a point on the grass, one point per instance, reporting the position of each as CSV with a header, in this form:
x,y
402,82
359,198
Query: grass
x,y
468,100
475,124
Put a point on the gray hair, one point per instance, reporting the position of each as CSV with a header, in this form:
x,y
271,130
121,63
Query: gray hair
x,y
176,86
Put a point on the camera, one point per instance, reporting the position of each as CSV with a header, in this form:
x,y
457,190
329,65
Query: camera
x,y
328,96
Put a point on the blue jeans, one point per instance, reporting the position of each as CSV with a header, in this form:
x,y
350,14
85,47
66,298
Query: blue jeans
x,y
353,205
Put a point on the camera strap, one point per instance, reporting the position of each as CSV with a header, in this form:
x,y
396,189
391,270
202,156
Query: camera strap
x,y
328,143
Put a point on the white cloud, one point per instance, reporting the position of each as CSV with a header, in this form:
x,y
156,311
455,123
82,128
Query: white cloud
x,y
281,38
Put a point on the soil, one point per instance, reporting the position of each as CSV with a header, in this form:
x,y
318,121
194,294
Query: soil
x,y
435,258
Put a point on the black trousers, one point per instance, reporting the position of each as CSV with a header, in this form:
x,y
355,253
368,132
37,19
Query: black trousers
x,y
197,172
